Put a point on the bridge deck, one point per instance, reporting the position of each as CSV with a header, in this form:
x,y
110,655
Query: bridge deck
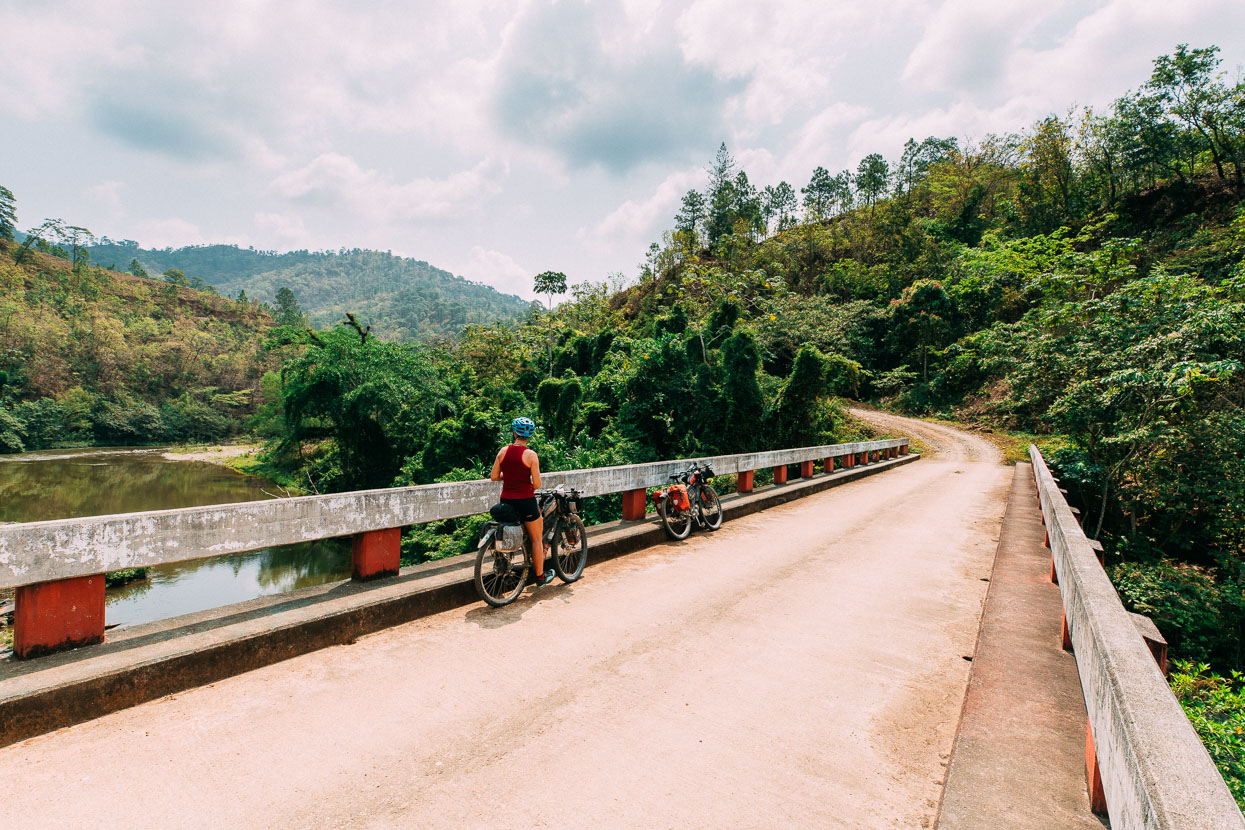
x,y
801,667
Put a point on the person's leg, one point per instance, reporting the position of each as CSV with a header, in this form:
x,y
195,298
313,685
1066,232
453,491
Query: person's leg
x,y
536,533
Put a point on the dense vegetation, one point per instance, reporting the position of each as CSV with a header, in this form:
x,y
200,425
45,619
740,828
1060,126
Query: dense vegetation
x,y
89,355
402,299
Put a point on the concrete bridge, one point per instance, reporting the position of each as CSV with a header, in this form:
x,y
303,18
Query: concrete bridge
x,y
886,653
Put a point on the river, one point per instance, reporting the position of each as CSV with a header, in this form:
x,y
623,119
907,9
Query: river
x,y
65,484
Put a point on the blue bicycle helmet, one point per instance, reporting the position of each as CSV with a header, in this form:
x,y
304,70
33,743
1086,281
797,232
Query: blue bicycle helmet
x,y
523,427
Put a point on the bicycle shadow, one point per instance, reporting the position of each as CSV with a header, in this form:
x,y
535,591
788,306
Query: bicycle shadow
x,y
488,617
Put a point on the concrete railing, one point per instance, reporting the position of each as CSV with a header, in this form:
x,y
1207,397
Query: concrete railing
x,y
57,567
1142,755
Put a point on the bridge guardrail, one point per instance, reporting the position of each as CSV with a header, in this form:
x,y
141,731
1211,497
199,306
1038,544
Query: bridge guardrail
x,y
1142,754
57,567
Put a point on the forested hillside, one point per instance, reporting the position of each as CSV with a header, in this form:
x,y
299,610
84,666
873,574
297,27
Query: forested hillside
x,y
89,355
402,299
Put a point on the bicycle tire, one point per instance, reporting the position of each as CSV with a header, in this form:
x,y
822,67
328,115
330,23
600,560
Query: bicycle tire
x,y
710,507
498,581
570,548
678,524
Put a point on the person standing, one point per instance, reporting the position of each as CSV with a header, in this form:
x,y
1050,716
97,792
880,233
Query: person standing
x,y
517,467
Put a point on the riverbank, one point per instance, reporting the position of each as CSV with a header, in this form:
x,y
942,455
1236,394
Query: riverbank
x,y
212,453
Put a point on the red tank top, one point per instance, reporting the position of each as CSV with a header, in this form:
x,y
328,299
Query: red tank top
x,y
516,477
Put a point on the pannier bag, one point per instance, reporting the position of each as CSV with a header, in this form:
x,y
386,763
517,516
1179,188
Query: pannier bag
x,y
549,507
508,538
678,497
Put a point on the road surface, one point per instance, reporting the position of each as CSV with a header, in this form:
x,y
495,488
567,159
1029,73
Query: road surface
x,y
801,667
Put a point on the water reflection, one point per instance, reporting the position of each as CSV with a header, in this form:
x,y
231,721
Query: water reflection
x,y
62,484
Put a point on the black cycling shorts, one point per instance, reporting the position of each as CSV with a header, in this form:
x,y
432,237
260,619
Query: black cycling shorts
x,y
529,511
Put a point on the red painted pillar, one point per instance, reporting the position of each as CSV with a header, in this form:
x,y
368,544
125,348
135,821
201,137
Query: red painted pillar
x,y
1093,775
780,474
744,482
375,554
827,465
635,503
53,616
806,469
903,449
1064,634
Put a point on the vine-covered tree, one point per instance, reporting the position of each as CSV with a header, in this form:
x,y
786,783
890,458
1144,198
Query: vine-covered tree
x,y
8,214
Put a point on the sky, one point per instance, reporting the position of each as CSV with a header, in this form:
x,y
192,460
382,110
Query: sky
x,y
497,140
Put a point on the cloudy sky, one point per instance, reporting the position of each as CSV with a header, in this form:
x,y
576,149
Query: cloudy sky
x,y
500,139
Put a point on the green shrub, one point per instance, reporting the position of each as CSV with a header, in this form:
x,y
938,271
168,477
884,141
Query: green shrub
x,y
1215,705
1197,609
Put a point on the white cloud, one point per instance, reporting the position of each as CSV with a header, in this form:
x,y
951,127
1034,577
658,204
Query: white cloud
x,y
107,196
498,270
638,222
289,229
336,181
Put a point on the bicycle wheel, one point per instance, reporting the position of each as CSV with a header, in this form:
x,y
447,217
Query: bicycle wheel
x,y
570,548
678,523
710,507
499,581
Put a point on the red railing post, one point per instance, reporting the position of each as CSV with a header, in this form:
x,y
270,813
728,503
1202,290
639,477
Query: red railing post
x,y
54,616
744,483
635,503
1093,775
780,474
806,469
827,465
375,554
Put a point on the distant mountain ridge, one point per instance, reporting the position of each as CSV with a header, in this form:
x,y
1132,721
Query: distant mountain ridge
x,y
401,298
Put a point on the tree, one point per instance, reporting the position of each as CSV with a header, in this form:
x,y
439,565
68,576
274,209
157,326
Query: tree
x,y
550,283
779,203
818,195
287,312
922,319
78,238
176,276
1184,84
722,197
137,269
35,236
917,159
691,216
741,393
796,419
872,175
8,214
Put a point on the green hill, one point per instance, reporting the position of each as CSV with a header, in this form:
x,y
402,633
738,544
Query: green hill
x,y
401,298
89,355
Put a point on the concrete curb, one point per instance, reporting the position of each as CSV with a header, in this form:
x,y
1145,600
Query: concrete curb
x,y
149,661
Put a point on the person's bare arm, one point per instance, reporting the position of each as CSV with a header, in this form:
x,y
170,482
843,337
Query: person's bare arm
x,y
496,474
534,463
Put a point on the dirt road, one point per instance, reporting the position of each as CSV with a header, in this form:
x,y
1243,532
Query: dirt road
x,y
801,667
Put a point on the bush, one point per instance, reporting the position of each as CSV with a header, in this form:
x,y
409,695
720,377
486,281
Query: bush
x,y
1215,705
1198,610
